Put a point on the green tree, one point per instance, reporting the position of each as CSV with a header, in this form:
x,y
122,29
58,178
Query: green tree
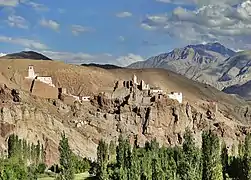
x,y
224,160
32,172
33,153
157,172
135,171
66,158
146,168
38,152
25,151
247,157
190,160
168,163
112,152
102,160
212,167
120,150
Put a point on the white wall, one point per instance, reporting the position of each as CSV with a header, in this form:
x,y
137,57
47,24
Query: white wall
x,y
86,98
144,85
176,96
156,91
47,80
135,81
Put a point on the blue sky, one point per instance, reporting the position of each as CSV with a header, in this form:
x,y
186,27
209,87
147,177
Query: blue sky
x,y
120,31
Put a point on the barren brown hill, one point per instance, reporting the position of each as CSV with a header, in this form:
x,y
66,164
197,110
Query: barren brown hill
x,y
38,118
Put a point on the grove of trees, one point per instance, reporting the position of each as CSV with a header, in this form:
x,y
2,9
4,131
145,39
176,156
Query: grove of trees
x,y
124,161
213,161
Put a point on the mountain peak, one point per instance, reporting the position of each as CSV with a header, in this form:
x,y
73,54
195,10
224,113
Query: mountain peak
x,y
215,47
26,55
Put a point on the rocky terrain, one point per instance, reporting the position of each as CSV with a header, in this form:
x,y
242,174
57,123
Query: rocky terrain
x,y
211,63
113,108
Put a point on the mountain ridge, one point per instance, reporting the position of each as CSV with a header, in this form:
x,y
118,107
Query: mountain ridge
x,y
210,63
26,55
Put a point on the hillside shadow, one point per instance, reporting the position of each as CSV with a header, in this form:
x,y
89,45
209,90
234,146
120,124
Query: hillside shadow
x,y
103,66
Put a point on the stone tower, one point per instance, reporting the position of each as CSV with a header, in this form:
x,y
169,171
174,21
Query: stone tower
x,y
31,72
135,79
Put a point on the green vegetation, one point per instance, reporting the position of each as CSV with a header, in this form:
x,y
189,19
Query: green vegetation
x,y
124,161
26,161
212,161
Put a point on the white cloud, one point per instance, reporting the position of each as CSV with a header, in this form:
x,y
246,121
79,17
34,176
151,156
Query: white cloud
x,y
148,27
61,11
201,2
36,6
121,38
2,54
14,3
77,29
176,1
129,59
17,21
23,42
50,24
124,14
11,3
225,23
85,58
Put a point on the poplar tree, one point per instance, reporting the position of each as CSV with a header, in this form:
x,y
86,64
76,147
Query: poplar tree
x,y
224,160
157,172
247,157
120,150
146,166
25,151
66,158
212,168
189,166
38,152
102,160
135,171
168,163
11,146
112,152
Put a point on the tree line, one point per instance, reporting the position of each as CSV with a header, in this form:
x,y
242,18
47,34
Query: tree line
x,y
23,160
126,161
26,161
212,161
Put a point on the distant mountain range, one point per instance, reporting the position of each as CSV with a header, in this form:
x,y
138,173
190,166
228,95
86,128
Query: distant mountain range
x,y
104,66
210,63
25,55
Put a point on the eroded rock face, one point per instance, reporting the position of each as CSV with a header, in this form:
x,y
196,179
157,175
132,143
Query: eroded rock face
x,y
164,119
105,117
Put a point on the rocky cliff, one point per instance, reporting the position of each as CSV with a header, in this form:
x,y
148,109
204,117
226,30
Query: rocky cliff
x,y
85,124
118,109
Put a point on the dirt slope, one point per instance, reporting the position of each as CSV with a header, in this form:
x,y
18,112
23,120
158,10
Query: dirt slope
x,y
81,80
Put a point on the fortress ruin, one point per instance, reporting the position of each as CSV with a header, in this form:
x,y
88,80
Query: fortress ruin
x,y
32,75
141,92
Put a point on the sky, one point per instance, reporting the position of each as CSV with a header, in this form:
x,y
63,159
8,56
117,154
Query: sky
x,y
120,31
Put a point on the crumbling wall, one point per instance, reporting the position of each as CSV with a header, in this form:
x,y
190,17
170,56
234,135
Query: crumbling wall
x,y
44,90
